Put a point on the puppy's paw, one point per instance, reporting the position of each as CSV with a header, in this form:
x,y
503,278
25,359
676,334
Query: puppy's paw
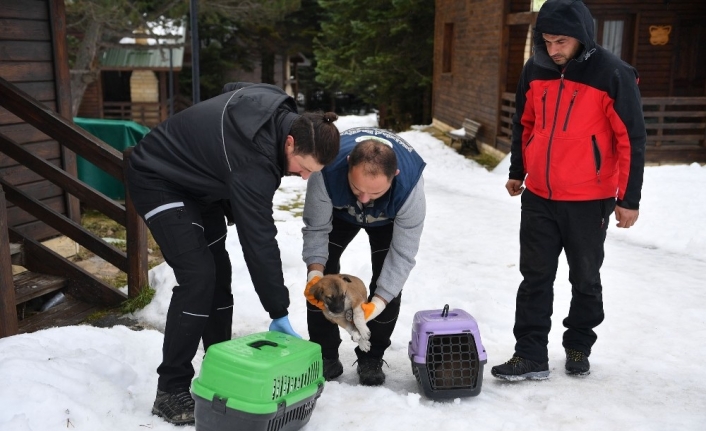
x,y
364,345
364,333
355,336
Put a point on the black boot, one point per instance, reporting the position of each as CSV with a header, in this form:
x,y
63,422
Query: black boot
x,y
370,371
577,363
332,368
175,407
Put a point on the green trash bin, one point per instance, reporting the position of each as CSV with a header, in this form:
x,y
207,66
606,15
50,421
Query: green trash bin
x,y
119,134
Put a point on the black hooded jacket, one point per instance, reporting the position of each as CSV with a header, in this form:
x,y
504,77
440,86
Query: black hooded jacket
x,y
578,131
229,147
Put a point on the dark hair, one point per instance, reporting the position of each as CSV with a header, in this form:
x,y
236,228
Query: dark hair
x,y
378,157
326,140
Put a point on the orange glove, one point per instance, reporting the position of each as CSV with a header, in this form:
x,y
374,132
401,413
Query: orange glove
x,y
312,278
373,308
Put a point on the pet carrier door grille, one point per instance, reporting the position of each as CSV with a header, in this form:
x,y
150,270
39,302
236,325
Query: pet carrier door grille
x,y
299,414
452,361
284,385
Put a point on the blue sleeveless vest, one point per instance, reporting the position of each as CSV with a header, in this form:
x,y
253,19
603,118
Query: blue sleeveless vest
x,y
382,210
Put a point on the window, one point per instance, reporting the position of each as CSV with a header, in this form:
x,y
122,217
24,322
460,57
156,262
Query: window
x,y
448,48
615,33
613,36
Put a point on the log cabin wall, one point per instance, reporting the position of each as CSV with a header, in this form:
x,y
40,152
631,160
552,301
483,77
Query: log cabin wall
x,y
33,57
468,36
489,43
665,66
92,102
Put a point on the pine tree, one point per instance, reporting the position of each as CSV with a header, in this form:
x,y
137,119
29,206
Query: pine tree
x,y
381,51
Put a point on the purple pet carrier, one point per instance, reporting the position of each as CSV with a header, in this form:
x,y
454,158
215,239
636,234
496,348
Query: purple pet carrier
x,y
446,353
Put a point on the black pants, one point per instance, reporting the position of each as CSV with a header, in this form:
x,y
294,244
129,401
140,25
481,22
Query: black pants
x,y
326,333
547,227
192,240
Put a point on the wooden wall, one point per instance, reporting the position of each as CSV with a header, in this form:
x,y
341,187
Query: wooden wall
x,y
471,89
489,46
35,61
658,64
92,102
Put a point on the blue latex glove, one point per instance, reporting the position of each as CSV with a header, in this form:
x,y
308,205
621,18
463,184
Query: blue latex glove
x,y
282,325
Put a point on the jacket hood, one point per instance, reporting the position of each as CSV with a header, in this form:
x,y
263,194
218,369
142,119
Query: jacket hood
x,y
565,18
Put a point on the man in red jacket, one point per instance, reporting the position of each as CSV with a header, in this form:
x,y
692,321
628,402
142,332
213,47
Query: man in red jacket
x,y
578,146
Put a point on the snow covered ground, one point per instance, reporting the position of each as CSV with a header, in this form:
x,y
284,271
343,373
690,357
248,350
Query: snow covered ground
x,y
646,366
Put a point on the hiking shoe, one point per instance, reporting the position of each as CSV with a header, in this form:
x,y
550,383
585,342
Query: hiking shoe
x,y
332,368
370,371
175,407
521,369
577,363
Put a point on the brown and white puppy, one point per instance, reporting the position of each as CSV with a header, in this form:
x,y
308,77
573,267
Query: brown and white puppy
x,y
342,296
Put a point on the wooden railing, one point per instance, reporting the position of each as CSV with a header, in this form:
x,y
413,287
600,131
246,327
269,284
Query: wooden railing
x,y
676,127
105,157
146,113
675,121
507,110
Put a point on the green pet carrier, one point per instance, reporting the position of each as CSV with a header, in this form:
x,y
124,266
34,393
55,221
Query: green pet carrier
x,y
267,381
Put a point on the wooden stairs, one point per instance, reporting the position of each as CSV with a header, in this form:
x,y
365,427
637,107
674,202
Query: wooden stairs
x,y
23,295
42,282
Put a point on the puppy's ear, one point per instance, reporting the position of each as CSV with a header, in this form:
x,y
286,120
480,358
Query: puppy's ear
x,y
346,279
317,290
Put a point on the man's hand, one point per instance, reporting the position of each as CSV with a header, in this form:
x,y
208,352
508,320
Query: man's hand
x,y
626,217
312,278
373,308
514,187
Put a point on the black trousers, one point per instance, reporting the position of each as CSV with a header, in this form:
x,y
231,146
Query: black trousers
x,y
192,240
547,227
326,333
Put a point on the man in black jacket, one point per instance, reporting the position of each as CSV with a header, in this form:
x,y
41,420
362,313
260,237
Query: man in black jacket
x,y
223,157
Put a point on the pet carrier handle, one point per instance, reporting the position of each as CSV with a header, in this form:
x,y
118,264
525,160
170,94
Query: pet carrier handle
x,y
259,343
445,311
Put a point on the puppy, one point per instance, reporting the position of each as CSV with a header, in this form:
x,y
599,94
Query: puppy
x,y
342,295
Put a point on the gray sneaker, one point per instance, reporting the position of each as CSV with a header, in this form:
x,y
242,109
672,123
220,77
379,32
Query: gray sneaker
x,y
176,408
517,369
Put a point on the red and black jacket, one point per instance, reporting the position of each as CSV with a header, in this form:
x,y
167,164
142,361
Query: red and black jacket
x,y
578,131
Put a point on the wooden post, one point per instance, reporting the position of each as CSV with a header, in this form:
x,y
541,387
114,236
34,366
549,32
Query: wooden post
x,y
136,233
57,14
703,119
8,310
660,122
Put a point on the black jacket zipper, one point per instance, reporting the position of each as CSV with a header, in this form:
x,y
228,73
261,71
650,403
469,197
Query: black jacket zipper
x,y
544,108
551,135
568,113
597,157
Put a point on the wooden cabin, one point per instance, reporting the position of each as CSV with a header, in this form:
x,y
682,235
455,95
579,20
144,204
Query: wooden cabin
x,y
138,80
480,47
40,195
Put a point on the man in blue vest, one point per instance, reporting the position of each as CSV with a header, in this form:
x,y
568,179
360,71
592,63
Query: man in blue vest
x,y
374,184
